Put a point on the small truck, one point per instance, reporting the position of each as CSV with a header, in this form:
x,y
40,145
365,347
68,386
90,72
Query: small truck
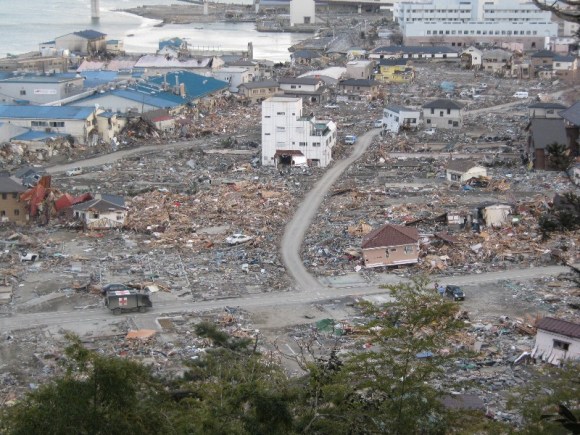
x,y
120,301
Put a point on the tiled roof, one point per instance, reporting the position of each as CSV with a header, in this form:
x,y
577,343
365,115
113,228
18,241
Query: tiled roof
x,y
559,326
546,131
257,85
393,62
460,165
546,106
8,185
572,114
390,235
90,34
442,104
97,204
359,82
398,109
544,53
298,81
412,49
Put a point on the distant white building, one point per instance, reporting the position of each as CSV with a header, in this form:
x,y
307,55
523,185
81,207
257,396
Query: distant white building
x,y
291,138
462,23
302,12
396,118
234,75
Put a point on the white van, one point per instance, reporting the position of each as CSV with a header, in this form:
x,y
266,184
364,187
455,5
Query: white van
x,y
521,94
350,139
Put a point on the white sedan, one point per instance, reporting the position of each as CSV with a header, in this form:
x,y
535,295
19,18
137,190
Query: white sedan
x,y
237,238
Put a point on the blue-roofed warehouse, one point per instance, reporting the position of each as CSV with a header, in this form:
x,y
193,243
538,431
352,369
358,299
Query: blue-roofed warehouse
x,y
172,91
194,86
34,89
78,122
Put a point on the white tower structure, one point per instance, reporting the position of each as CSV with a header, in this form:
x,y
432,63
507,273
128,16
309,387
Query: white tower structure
x,y
95,10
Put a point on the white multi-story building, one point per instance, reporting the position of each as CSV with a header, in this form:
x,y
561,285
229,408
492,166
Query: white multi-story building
x,y
302,12
475,22
291,138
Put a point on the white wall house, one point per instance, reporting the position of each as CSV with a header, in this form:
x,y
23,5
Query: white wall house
x,y
471,57
396,118
459,171
101,213
557,340
302,12
300,84
463,23
290,138
233,75
443,113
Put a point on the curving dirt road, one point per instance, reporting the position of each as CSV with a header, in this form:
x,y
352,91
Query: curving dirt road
x,y
296,228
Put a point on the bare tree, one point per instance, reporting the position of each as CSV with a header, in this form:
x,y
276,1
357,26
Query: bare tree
x,y
567,10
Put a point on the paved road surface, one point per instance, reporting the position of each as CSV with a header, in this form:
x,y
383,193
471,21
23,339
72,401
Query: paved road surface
x,y
67,320
118,155
296,228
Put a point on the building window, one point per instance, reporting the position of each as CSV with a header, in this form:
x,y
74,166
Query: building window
x,y
409,249
449,111
14,195
57,123
267,116
441,113
450,122
22,92
266,134
561,345
38,123
302,144
4,196
432,111
428,121
280,129
292,86
16,212
2,213
280,113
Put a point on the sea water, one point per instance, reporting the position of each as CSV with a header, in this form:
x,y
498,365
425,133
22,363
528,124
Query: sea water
x,y
27,23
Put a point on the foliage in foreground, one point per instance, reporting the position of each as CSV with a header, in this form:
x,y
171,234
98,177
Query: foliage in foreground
x,y
232,389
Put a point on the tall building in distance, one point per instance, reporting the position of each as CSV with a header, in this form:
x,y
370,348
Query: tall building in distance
x,y
462,23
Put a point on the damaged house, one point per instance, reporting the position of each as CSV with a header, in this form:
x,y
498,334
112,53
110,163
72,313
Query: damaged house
x,y
557,340
460,171
105,211
11,208
391,245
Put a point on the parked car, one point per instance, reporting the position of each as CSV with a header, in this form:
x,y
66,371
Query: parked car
x,y
430,131
237,238
74,171
29,256
350,139
378,123
454,292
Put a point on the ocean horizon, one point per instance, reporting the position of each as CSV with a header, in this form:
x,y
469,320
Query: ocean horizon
x,y
25,25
